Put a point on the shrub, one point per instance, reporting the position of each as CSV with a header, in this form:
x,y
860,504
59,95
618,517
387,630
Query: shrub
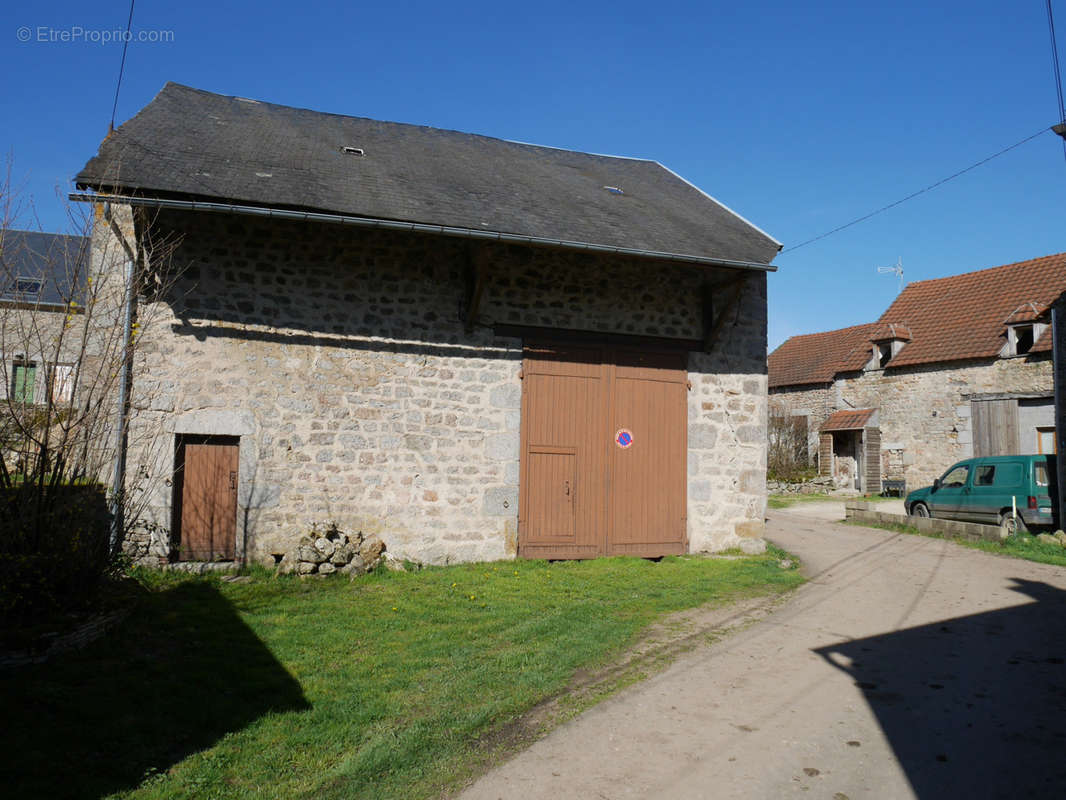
x,y
787,458
54,548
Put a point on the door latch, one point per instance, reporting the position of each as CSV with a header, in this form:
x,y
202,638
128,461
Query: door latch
x,y
233,480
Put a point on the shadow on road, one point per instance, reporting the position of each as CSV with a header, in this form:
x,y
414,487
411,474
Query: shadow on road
x,y
181,673
973,706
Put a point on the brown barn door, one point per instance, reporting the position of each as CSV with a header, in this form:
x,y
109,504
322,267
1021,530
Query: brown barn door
x,y
206,495
604,441
648,454
995,427
561,497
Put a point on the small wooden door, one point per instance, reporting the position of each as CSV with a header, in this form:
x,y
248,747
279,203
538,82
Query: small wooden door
x,y
206,492
604,443
562,432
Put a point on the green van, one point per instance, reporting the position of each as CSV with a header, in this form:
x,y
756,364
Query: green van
x,y
986,490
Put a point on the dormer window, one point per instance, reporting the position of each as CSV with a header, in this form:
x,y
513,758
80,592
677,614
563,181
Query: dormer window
x,y
884,354
1025,325
1023,339
887,341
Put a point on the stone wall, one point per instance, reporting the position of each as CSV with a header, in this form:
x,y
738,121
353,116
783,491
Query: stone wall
x,y
727,429
40,336
340,359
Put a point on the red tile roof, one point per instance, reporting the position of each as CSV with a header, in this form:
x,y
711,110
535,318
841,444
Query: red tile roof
x,y
854,419
816,357
888,331
947,319
1026,312
963,316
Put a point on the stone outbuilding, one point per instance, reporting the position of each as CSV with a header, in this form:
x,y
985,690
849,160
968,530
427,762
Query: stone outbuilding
x,y
467,347
956,367
40,275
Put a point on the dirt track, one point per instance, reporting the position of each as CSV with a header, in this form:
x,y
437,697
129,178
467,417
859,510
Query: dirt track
x,y
906,667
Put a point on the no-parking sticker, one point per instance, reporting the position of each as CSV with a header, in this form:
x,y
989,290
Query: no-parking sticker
x,y
624,438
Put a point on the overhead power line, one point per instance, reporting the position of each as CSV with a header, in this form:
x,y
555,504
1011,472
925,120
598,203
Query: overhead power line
x,y
121,67
911,196
1058,73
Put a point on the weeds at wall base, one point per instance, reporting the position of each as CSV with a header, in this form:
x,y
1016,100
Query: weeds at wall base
x,y
1019,545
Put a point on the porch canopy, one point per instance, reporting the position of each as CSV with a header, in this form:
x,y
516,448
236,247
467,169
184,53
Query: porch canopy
x,y
848,420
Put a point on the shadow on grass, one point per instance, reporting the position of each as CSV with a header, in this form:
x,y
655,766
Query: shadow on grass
x,y
182,672
973,706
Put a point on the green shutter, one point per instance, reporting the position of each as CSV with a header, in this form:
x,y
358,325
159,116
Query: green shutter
x,y
23,383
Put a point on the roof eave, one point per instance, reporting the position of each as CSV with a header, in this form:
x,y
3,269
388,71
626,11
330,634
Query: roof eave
x,y
416,227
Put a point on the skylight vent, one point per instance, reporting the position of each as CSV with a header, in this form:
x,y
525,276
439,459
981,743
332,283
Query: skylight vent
x,y
23,289
352,151
613,190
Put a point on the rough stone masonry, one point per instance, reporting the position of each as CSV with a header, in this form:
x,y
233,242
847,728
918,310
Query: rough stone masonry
x,y
339,357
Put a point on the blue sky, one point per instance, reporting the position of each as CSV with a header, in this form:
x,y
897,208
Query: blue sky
x,y
800,117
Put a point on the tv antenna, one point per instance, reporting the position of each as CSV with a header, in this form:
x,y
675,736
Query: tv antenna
x,y
897,269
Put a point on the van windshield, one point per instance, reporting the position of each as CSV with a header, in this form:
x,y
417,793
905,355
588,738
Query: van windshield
x,y
956,477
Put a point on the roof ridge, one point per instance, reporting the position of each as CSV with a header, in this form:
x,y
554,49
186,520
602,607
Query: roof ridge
x,y
241,98
985,269
825,333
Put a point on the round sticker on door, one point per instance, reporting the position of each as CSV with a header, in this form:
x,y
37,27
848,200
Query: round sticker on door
x,y
623,438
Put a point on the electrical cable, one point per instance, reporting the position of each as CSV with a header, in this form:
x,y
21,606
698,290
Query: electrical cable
x,y
911,196
1055,61
121,67
1058,70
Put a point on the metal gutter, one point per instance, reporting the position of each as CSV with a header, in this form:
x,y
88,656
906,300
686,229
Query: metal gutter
x,y
118,480
415,227
1058,356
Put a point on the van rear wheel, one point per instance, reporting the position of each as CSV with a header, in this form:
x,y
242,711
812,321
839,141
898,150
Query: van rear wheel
x,y
1010,525
920,510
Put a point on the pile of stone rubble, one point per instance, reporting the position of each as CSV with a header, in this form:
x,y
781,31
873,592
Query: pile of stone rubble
x,y
329,551
819,485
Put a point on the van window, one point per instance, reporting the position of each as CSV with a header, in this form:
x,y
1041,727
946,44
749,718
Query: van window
x,y
1009,475
957,477
985,476
1040,474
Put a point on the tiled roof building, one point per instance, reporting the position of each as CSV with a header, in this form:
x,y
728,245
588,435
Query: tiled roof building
x,y
948,356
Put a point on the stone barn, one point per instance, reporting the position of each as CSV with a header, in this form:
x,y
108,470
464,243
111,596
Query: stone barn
x,y
468,347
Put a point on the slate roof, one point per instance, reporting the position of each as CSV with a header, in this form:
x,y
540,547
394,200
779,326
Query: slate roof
x,y
816,357
848,420
58,262
948,319
195,144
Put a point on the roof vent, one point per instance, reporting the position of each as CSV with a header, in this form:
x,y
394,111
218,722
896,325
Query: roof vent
x,y
613,190
352,151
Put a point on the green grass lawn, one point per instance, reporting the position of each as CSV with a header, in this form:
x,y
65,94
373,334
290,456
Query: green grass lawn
x,y
1021,545
388,686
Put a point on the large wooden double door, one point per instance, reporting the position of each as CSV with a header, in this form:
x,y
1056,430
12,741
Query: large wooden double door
x,y
604,449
